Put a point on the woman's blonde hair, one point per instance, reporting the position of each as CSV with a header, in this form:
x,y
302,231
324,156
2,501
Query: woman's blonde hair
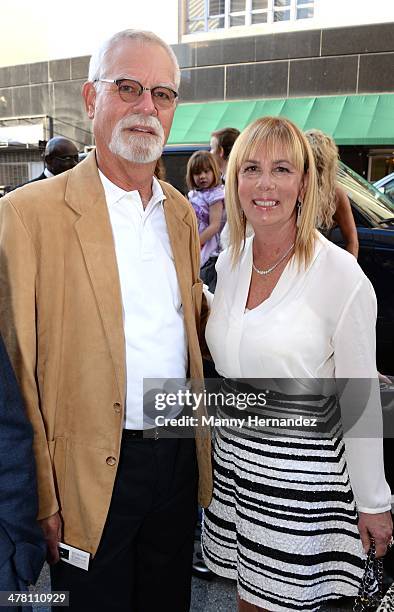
x,y
202,160
325,152
273,133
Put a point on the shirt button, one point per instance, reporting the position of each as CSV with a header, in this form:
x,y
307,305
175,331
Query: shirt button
x,y
111,461
117,406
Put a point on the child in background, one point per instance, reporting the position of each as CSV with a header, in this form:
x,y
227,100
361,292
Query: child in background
x,y
206,195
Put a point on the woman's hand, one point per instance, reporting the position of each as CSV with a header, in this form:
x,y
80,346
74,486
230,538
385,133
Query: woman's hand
x,y
378,527
384,379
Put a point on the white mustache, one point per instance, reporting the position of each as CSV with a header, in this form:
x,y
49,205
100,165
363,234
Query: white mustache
x,y
136,147
141,121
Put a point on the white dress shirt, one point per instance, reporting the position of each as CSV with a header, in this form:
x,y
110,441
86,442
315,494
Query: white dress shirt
x,y
154,329
315,326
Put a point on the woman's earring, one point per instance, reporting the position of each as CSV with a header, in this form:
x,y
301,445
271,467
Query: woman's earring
x,y
299,210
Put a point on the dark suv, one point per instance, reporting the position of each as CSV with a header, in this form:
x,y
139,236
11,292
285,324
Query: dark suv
x,y
374,216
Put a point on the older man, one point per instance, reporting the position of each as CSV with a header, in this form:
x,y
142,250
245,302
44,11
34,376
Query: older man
x,y
99,278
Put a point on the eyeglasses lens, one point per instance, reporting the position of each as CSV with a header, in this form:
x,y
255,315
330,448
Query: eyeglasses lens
x,y
67,158
130,91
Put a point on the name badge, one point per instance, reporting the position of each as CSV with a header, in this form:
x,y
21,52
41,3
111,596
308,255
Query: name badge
x,y
74,556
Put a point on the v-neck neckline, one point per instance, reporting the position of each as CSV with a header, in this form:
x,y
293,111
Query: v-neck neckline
x,y
276,291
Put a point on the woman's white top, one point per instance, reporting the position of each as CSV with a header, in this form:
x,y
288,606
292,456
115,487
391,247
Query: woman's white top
x,y
317,323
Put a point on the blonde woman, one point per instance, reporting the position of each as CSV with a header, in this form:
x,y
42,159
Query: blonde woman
x,y
293,506
334,205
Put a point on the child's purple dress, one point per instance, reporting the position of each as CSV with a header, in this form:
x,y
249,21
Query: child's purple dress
x,y
201,200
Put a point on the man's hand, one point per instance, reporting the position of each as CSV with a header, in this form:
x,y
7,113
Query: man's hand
x,y
52,528
378,527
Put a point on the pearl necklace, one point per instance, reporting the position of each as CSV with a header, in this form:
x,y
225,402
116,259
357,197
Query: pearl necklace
x,y
272,268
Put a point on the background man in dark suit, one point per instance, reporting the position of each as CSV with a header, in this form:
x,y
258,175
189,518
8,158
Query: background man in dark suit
x,y
60,155
22,547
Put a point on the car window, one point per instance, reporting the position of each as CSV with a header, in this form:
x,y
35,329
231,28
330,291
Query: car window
x,y
359,219
372,204
383,181
389,189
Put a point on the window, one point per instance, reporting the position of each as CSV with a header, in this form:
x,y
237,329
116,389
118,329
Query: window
x,y
208,15
237,13
216,14
304,9
259,11
205,15
195,18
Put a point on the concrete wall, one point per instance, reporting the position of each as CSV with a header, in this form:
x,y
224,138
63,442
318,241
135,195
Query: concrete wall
x,y
52,88
292,64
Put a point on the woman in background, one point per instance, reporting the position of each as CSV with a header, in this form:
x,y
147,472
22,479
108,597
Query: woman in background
x,y
334,206
221,143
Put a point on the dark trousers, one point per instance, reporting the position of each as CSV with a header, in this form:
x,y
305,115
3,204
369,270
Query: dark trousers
x,y
208,273
143,563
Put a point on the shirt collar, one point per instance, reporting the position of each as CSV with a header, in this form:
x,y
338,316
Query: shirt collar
x,y
114,194
47,172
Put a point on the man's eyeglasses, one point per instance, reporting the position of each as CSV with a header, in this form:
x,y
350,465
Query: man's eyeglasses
x,y
66,158
130,91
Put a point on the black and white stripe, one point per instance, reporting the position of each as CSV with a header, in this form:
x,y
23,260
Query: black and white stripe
x,y
283,521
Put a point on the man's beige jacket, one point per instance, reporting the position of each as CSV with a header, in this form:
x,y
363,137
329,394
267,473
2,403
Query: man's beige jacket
x,y
61,319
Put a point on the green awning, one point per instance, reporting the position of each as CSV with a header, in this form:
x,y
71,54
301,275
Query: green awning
x,y
350,120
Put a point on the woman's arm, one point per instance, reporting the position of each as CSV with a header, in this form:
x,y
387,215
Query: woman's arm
x,y
344,218
355,371
215,220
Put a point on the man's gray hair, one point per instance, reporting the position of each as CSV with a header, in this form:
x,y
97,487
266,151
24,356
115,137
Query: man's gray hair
x,y
143,36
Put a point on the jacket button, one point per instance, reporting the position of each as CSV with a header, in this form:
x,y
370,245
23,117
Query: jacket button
x,y
117,407
111,461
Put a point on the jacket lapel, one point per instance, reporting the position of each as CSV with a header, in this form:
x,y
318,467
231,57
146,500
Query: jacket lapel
x,y
179,234
85,195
